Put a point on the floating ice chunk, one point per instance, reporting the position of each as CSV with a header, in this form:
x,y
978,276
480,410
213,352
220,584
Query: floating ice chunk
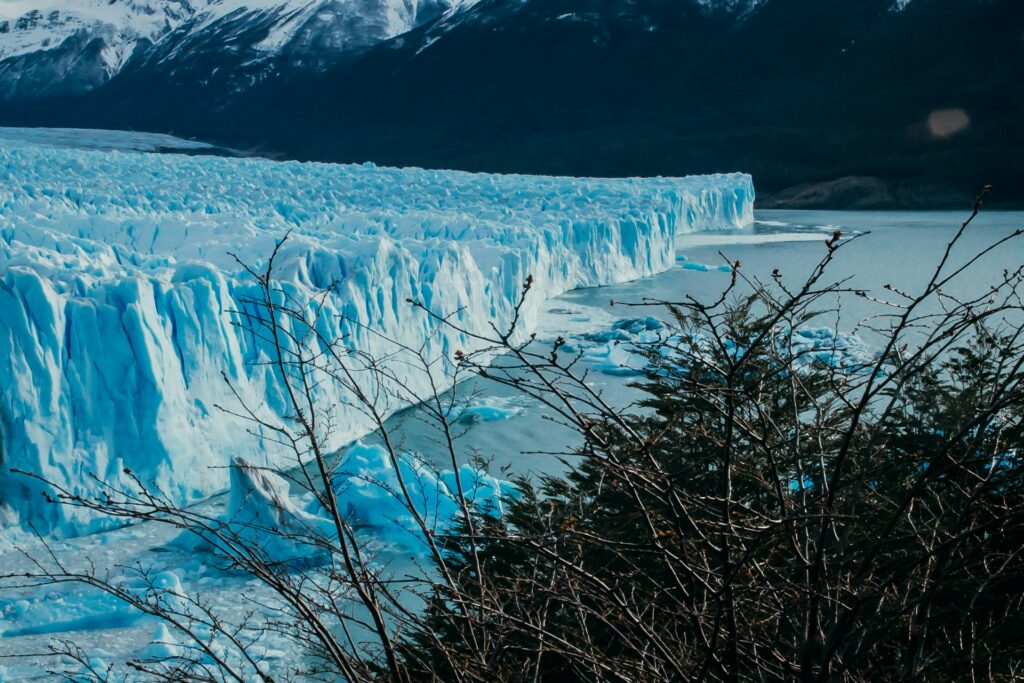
x,y
635,326
487,413
370,492
798,485
615,358
162,646
263,514
624,350
822,345
488,409
488,493
97,662
625,330
705,268
616,351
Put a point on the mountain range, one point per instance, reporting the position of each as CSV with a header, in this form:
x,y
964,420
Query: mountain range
x,y
844,103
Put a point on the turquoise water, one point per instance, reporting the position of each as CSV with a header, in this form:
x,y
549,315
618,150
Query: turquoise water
x,y
897,248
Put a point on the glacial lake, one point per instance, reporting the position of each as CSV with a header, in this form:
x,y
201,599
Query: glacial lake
x,y
897,248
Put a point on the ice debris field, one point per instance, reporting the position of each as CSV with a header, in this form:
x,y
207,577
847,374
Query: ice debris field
x,y
120,291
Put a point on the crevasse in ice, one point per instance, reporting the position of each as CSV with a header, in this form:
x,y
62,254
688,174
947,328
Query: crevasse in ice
x,y
120,292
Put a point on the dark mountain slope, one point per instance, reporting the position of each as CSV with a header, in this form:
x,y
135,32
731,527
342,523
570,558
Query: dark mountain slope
x,y
795,91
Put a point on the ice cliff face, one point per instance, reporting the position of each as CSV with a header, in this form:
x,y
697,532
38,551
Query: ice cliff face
x,y
119,297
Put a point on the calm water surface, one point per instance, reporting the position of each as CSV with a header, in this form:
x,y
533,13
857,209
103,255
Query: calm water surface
x,y
898,248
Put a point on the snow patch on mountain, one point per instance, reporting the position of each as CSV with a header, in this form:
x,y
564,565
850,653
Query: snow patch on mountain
x,y
120,299
30,26
72,46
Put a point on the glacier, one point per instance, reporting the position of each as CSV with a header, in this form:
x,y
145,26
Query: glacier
x,y
106,140
120,294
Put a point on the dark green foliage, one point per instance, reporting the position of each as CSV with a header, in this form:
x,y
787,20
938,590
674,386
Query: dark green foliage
x,y
763,516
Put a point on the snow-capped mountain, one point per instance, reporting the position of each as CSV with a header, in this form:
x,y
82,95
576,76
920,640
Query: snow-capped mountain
x,y
56,47
27,27
60,47
66,46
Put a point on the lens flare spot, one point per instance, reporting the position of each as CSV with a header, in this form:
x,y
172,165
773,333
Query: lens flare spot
x,y
944,123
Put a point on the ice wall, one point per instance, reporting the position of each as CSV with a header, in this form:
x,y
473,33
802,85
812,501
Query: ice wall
x,y
119,293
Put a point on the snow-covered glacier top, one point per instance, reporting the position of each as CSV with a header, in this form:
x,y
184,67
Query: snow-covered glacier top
x,y
78,138
120,292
